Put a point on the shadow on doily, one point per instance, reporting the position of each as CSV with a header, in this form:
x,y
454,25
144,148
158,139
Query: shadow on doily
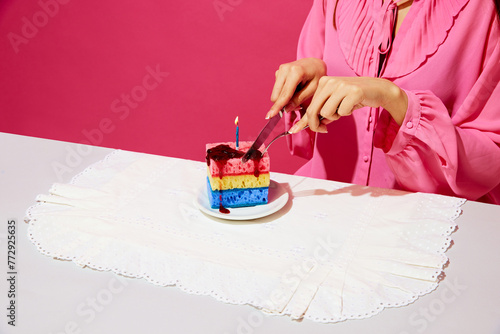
x,y
354,190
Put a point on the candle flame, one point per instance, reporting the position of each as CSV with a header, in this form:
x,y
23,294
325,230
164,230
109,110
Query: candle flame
x,y
236,121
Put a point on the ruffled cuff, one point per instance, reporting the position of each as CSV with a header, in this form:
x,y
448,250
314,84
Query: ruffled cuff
x,y
393,138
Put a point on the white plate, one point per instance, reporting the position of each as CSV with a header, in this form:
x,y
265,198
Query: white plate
x,y
278,197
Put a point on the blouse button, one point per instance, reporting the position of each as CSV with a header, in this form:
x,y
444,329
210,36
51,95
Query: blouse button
x,y
409,125
365,158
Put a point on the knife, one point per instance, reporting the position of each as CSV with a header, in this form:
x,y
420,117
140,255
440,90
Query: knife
x,y
261,138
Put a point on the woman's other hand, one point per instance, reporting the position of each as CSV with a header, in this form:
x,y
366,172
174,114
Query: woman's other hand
x,y
340,96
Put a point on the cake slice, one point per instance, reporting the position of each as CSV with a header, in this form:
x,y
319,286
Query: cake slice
x,y
232,183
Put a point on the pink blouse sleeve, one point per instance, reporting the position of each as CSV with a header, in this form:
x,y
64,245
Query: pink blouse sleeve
x,y
311,44
457,155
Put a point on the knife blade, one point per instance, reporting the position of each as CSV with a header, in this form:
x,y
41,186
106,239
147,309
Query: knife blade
x,y
261,138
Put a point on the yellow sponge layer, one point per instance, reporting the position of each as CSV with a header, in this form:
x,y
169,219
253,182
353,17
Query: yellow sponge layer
x,y
239,181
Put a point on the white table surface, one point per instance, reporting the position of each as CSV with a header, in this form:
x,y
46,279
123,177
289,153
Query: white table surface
x,y
54,297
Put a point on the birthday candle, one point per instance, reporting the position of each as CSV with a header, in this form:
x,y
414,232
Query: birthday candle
x,y
237,133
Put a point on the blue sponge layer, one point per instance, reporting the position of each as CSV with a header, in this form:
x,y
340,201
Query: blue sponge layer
x,y
235,198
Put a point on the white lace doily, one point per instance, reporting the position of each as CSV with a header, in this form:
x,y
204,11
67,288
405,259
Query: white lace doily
x,y
334,252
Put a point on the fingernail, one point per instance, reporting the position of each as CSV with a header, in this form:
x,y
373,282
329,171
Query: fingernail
x,y
268,115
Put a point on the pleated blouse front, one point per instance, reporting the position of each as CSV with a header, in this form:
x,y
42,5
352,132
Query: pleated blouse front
x,y
446,60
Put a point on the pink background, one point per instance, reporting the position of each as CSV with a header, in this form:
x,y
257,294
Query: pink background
x,y
80,71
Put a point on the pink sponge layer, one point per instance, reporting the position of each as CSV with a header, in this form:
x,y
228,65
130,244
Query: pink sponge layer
x,y
235,166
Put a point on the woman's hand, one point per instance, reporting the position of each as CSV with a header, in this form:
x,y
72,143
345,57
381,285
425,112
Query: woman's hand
x,y
295,82
340,96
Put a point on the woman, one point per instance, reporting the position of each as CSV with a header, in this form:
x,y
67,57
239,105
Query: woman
x,y
419,82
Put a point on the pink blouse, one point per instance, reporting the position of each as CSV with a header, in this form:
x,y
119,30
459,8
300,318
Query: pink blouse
x,y
446,56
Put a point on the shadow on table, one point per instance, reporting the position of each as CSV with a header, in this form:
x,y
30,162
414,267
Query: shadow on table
x,y
354,190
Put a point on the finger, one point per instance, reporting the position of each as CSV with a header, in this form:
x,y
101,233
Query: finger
x,y
292,80
299,126
303,94
324,103
328,114
326,121
349,103
281,75
278,84
313,119
329,110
